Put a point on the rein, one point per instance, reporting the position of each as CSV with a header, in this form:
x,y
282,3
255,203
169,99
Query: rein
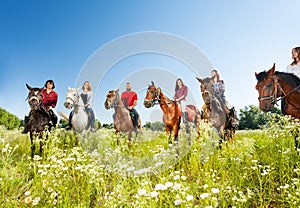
x,y
273,97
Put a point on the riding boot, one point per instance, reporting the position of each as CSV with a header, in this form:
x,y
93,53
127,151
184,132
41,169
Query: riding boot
x,y
25,130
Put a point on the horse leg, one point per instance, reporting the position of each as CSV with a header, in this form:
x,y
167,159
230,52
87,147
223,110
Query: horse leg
x,y
32,145
169,132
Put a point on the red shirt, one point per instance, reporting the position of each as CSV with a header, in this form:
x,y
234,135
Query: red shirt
x,y
128,98
181,92
49,99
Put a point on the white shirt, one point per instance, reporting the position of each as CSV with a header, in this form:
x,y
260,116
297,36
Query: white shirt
x,y
294,69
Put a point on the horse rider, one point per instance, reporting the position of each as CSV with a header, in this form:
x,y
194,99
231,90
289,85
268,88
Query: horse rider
x,y
129,99
48,103
181,92
219,89
87,97
293,68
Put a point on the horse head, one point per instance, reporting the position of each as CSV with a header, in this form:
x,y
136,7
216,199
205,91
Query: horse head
x,y
112,98
266,86
35,97
206,89
152,95
72,98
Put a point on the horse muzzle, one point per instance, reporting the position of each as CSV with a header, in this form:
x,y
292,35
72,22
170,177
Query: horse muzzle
x,y
68,105
148,103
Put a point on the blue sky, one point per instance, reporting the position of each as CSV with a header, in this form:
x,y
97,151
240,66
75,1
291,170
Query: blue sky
x,y
54,39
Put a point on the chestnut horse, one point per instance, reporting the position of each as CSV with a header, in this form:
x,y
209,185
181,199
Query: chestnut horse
x,y
215,111
122,120
39,119
171,111
273,86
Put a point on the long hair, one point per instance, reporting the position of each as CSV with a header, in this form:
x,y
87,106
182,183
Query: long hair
x,y
89,86
295,61
176,86
217,74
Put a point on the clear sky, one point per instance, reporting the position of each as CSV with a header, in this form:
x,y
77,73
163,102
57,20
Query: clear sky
x,y
42,40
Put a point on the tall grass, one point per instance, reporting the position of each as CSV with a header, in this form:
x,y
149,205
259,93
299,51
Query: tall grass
x,y
257,169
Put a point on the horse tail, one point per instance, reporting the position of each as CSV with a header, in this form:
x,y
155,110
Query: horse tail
x,y
64,115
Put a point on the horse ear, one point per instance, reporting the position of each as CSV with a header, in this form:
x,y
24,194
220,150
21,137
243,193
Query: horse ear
x,y
200,80
158,89
28,87
255,74
69,87
117,90
152,83
272,70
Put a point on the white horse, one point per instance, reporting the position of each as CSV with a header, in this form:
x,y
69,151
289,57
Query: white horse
x,y
80,119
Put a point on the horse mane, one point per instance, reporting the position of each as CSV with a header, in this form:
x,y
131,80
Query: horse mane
x,y
261,76
289,78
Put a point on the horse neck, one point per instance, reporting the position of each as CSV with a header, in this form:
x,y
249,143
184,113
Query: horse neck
x,y
119,106
286,86
79,105
163,102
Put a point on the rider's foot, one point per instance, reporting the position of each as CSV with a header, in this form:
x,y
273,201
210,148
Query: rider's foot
x,y
93,130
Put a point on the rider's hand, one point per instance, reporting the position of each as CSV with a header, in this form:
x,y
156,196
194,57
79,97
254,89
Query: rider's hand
x,y
130,107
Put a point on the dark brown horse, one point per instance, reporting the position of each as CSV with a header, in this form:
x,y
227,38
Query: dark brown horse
x,y
38,119
215,111
273,86
122,120
171,111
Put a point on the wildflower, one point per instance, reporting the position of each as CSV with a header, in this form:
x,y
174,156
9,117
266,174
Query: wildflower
x,y
215,190
45,183
27,193
183,178
54,201
168,184
142,192
176,177
27,200
204,195
177,202
50,189
205,186
153,194
160,187
286,186
189,198
177,186
36,201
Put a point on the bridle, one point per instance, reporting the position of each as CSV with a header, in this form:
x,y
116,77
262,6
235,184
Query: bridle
x,y
277,88
154,101
35,97
73,100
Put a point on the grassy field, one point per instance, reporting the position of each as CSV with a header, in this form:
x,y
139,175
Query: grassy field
x,y
259,168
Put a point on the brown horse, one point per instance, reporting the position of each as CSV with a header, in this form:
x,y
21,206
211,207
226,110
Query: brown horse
x,y
273,86
171,111
38,119
122,120
215,111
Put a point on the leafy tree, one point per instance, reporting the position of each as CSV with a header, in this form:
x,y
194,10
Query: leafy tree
x,y
10,121
108,126
251,117
156,126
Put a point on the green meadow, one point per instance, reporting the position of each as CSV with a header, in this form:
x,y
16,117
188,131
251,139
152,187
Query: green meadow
x,y
258,168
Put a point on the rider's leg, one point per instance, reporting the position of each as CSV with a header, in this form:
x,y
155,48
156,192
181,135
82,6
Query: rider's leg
x,y
92,119
183,110
136,117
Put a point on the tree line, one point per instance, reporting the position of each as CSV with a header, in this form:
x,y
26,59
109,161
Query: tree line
x,y
250,117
